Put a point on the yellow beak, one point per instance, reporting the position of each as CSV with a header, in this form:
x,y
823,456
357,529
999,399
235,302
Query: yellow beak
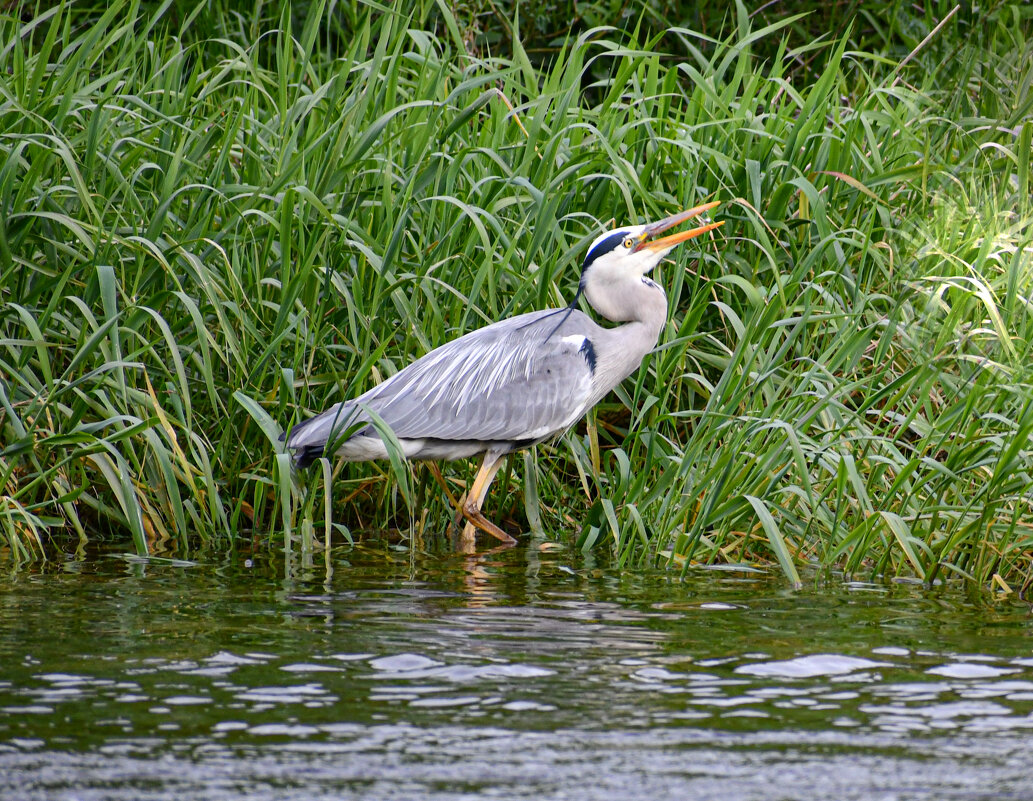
x,y
667,242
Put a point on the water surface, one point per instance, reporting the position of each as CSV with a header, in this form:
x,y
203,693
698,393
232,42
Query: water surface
x,y
379,673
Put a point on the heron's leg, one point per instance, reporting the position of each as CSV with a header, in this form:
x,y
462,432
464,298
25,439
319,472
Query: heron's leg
x,y
469,494
471,510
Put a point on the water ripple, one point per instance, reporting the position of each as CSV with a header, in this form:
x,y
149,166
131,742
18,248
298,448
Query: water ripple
x,y
811,666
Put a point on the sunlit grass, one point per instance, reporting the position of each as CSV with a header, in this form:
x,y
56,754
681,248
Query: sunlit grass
x,y
206,235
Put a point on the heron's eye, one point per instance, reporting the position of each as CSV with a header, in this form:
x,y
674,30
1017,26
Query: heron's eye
x,y
629,243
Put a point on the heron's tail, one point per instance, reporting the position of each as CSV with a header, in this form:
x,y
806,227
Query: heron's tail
x,y
308,439
304,457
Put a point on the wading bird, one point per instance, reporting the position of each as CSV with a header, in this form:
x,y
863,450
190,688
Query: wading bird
x,y
516,382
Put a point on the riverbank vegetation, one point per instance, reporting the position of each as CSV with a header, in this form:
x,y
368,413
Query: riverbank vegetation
x,y
215,221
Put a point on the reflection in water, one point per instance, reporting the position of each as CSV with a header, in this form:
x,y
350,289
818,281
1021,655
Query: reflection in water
x,y
477,580
519,674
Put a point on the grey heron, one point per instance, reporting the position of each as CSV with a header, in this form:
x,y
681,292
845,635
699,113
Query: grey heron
x,y
516,382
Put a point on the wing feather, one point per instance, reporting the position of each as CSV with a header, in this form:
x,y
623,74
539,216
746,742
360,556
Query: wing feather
x,y
506,381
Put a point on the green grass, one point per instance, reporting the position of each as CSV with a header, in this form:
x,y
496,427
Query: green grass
x,y
214,223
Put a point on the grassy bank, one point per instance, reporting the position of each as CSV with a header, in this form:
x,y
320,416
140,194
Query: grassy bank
x,y
213,224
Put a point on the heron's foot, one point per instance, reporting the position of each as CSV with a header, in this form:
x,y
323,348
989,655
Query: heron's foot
x,y
475,520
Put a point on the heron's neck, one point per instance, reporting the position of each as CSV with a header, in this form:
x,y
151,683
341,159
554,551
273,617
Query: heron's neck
x,y
633,299
642,306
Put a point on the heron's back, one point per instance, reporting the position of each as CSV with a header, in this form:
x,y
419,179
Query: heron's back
x,y
509,384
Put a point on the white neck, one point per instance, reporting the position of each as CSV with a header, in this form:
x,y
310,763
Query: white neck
x,y
627,298
642,305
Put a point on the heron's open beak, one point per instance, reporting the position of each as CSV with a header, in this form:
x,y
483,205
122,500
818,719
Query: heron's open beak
x,y
668,242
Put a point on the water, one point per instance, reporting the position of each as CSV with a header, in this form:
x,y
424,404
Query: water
x,y
526,674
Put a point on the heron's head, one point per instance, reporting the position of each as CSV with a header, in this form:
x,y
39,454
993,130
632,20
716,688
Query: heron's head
x,y
628,253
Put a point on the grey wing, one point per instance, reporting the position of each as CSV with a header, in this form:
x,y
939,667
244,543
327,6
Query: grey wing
x,y
506,382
